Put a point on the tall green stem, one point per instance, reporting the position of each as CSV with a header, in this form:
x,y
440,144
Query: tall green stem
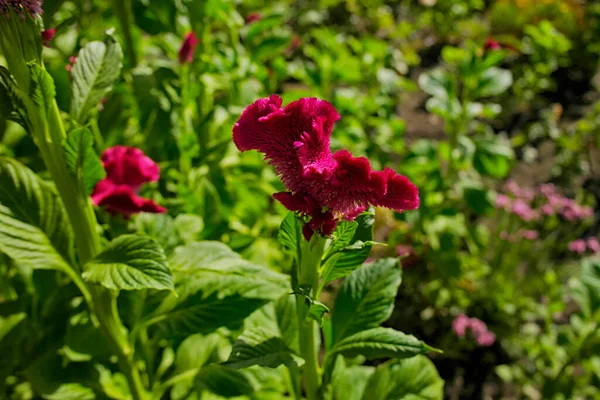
x,y
83,221
308,277
124,11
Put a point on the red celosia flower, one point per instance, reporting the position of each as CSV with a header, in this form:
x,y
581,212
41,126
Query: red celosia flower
x,y
47,36
491,44
186,52
323,186
253,17
127,169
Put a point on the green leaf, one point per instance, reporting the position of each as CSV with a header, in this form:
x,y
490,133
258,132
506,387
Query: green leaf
x,y
290,233
263,25
215,288
270,47
366,298
493,157
437,83
380,343
12,105
479,200
317,310
258,347
410,379
130,262
343,263
8,323
43,90
223,381
34,228
342,236
348,382
97,68
71,391
493,81
81,158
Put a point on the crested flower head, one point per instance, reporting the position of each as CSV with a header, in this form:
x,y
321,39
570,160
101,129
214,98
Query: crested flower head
x,y
31,7
127,169
186,52
324,187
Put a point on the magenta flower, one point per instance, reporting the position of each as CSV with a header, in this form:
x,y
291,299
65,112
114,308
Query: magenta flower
x,y
186,52
577,246
253,17
485,339
513,188
593,244
47,36
491,44
547,189
324,187
127,169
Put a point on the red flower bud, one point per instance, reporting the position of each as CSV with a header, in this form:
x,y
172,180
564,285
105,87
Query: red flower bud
x,y
186,52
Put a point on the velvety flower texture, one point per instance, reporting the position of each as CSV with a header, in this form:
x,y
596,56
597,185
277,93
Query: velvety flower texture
x,y
186,52
323,186
127,169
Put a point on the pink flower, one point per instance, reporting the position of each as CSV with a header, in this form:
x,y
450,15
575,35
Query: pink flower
x,y
127,169
529,234
253,17
324,187
485,339
503,201
186,52
460,325
47,36
69,66
577,246
593,244
478,329
513,188
547,189
547,209
527,194
522,209
491,44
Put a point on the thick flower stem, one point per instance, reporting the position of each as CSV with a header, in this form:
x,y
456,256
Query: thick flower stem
x,y
83,221
308,279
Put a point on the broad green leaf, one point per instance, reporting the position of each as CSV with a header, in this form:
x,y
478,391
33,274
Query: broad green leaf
x,y
8,323
97,68
479,199
437,83
317,310
215,288
493,157
380,343
366,298
259,347
348,382
270,47
344,262
82,160
410,379
263,25
130,262
71,391
223,381
493,81
34,228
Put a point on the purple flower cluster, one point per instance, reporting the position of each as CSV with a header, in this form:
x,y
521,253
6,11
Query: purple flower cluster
x,y
479,331
520,201
579,246
31,7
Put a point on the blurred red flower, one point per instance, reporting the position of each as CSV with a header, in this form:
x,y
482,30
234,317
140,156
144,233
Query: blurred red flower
x,y
324,187
186,52
253,17
47,36
127,169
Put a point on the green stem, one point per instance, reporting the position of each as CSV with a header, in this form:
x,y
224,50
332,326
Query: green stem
x,y
123,9
83,221
308,277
